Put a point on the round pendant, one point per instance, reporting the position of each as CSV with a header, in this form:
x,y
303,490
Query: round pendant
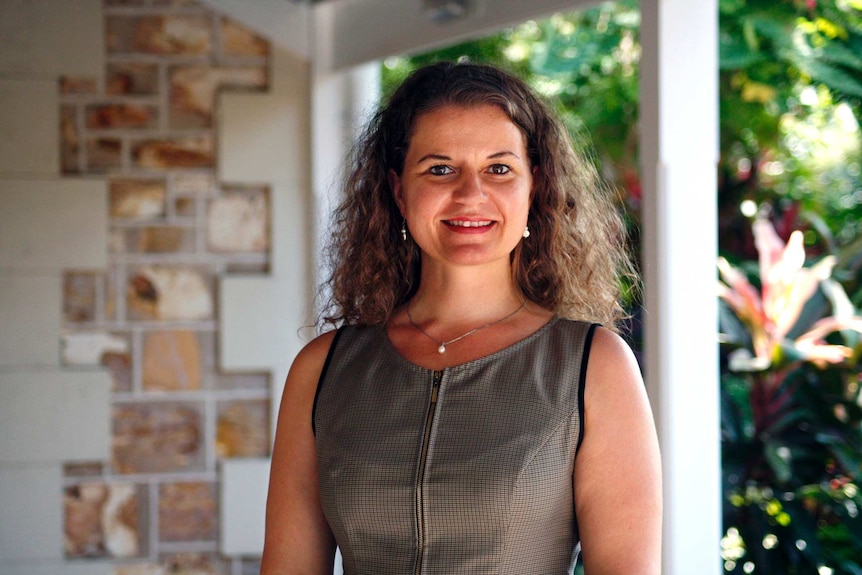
x,y
441,349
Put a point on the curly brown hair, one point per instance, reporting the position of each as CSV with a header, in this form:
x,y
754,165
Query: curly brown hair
x,y
576,254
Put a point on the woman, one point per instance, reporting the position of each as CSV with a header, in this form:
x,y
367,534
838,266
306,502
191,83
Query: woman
x,y
469,416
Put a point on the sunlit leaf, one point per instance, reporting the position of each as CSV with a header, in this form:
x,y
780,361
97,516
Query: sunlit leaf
x,y
832,76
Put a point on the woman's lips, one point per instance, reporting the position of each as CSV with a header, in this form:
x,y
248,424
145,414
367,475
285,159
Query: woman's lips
x,y
469,226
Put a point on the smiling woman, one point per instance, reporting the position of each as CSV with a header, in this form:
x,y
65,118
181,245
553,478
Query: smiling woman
x,y
465,188
469,415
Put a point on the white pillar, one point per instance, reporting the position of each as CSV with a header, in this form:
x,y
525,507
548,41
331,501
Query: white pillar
x,y
341,103
679,137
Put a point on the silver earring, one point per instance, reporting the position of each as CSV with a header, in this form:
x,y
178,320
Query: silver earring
x,y
404,229
526,231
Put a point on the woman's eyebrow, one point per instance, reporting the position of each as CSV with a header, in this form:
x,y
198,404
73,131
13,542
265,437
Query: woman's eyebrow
x,y
443,157
436,157
504,153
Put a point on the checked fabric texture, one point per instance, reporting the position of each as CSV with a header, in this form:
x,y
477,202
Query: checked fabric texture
x,y
495,492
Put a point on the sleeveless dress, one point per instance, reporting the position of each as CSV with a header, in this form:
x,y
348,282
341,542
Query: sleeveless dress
x,y
464,470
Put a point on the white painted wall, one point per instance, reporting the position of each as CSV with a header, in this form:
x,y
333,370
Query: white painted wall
x,y
47,415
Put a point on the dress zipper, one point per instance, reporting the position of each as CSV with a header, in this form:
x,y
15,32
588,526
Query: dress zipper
x,y
420,512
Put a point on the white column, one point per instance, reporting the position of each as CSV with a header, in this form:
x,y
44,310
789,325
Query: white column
x,y
679,136
341,103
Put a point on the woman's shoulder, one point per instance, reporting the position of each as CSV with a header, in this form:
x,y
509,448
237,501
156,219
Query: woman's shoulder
x,y
603,341
613,372
609,346
317,347
308,364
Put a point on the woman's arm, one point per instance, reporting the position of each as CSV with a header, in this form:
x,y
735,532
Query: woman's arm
x,y
617,483
298,540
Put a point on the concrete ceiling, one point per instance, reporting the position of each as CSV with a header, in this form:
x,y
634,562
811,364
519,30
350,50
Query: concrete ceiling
x,y
338,34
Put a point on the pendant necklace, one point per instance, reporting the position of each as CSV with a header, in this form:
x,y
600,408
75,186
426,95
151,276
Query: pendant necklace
x,y
442,344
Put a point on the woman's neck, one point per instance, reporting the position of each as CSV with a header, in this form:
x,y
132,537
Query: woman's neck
x,y
468,293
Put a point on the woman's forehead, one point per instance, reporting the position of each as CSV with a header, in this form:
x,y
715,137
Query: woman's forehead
x,y
458,124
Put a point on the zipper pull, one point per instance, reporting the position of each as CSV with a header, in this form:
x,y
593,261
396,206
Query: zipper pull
x,y
435,385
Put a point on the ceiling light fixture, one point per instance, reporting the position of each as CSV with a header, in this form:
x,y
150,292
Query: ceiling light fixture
x,y
445,10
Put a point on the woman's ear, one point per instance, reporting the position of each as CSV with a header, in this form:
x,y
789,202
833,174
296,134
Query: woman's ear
x,y
397,190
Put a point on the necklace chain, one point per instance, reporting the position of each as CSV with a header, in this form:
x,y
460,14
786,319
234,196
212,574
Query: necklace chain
x,y
442,344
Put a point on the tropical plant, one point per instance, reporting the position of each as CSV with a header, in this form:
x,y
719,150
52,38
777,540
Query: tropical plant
x,y
791,415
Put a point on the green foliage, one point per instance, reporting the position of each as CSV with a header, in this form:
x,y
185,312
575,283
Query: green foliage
x,y
790,77
790,108
792,480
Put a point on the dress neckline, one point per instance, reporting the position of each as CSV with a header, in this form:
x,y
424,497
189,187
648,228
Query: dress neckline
x,y
392,350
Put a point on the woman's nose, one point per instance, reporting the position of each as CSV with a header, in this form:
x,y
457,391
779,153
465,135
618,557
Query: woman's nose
x,y
470,188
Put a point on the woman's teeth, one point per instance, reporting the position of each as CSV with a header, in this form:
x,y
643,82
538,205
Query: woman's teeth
x,y
469,224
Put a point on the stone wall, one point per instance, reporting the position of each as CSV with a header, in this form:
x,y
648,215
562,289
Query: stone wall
x,y
150,318
121,254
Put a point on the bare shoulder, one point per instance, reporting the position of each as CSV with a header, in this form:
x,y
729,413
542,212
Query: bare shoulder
x,y
615,396
612,368
315,351
308,364
611,358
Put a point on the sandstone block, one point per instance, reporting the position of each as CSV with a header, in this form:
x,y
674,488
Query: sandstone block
x,y
104,154
185,207
79,296
89,348
132,78
120,367
137,198
76,469
113,116
172,361
243,429
167,293
110,350
70,140
192,152
176,34
188,511
160,239
194,88
194,183
238,221
157,438
195,564
78,85
104,520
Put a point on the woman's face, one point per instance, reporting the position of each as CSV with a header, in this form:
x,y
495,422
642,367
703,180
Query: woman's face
x,y
466,185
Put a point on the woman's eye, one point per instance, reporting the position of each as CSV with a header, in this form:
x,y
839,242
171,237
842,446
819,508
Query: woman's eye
x,y
440,170
499,169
